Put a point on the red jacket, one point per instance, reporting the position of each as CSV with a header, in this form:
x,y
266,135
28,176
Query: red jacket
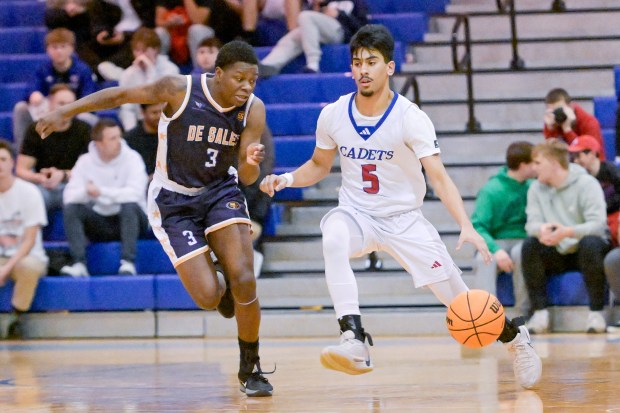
x,y
585,124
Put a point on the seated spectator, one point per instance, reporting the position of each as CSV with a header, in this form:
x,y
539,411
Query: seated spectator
x,y
566,224
259,202
206,54
113,23
585,152
270,9
22,258
143,138
61,66
566,120
329,22
612,272
48,162
72,15
188,22
500,218
147,67
105,199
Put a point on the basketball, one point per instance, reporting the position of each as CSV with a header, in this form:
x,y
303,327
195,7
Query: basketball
x,y
475,318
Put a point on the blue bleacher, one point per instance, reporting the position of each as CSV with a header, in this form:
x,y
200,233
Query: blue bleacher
x,y
409,6
405,27
20,40
605,108
102,258
566,289
22,13
317,88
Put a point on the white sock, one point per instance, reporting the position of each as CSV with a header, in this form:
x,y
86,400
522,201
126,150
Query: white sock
x,y
342,238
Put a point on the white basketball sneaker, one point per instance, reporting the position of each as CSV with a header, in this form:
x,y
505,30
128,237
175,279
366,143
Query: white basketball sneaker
x,y
539,322
525,362
351,356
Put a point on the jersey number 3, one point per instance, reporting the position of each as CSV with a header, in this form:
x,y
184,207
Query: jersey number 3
x,y
369,176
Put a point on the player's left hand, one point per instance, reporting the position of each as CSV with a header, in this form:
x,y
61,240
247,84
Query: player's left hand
x,y
469,234
50,123
255,153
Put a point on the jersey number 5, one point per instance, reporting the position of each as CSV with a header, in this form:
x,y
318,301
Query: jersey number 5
x,y
368,176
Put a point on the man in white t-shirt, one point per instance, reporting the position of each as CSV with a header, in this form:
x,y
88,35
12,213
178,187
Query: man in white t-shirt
x,y
383,141
22,257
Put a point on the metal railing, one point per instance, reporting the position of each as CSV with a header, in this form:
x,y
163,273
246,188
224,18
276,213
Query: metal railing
x,y
411,82
508,6
463,65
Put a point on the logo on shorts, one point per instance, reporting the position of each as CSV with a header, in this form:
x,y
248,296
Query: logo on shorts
x,y
436,264
240,116
233,205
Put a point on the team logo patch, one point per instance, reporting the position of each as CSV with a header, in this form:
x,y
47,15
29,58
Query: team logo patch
x,y
240,116
233,205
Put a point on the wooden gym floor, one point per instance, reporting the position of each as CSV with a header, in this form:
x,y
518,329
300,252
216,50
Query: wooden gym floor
x,y
417,374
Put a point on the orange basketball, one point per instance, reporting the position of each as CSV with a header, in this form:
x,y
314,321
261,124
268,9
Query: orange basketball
x,y
475,318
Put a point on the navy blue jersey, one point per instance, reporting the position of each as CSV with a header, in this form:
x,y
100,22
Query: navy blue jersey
x,y
199,144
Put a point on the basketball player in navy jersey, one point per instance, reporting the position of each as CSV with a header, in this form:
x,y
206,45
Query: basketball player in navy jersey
x,y
209,135
383,141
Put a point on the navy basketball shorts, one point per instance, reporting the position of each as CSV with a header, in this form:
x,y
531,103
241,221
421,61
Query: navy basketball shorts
x,y
182,220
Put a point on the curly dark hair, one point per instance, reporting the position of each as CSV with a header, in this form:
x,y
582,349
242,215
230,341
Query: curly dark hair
x,y
235,51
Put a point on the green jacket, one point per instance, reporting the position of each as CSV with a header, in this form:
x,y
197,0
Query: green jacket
x,y
578,203
500,209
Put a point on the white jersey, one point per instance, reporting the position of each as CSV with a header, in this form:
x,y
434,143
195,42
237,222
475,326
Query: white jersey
x,y
379,156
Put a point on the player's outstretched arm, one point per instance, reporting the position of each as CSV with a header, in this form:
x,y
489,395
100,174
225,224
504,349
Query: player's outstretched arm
x,y
311,172
449,194
169,89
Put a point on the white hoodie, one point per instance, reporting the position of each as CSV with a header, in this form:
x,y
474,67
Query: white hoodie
x,y
122,180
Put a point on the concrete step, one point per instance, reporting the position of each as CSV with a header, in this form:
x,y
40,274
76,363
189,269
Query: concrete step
x,y
468,179
304,220
307,322
473,6
306,255
509,85
535,26
543,54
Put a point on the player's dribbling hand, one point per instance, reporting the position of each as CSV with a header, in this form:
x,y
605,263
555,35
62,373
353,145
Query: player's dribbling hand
x,y
469,234
49,123
272,183
255,153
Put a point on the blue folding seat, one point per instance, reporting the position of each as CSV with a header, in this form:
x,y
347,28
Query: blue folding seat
x,y
605,108
405,27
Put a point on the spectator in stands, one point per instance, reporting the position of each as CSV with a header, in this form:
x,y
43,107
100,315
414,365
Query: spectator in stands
x,y
143,138
585,152
147,67
48,163
113,23
206,55
72,15
567,230
105,199
60,66
500,218
259,202
566,120
612,272
22,258
195,20
329,22
270,9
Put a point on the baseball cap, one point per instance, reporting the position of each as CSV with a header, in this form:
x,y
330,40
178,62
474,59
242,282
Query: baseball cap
x,y
584,142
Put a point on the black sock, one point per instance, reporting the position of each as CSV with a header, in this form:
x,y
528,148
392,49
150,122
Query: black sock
x,y
353,322
511,329
248,357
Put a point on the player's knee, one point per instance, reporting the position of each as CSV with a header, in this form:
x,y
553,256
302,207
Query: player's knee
x,y
206,301
243,287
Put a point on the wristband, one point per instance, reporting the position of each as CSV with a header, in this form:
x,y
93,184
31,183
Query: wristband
x,y
288,177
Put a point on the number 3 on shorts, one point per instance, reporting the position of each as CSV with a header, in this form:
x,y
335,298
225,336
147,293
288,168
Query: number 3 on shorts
x,y
190,237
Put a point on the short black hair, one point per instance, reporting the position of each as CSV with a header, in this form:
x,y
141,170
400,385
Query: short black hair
x,y
376,37
235,51
518,152
557,94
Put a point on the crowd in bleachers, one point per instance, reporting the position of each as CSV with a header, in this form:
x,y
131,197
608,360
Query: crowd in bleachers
x,y
92,44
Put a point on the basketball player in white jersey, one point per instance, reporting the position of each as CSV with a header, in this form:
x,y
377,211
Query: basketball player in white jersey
x,y
383,141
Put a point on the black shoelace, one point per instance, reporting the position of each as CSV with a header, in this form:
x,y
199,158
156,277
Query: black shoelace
x,y
258,373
